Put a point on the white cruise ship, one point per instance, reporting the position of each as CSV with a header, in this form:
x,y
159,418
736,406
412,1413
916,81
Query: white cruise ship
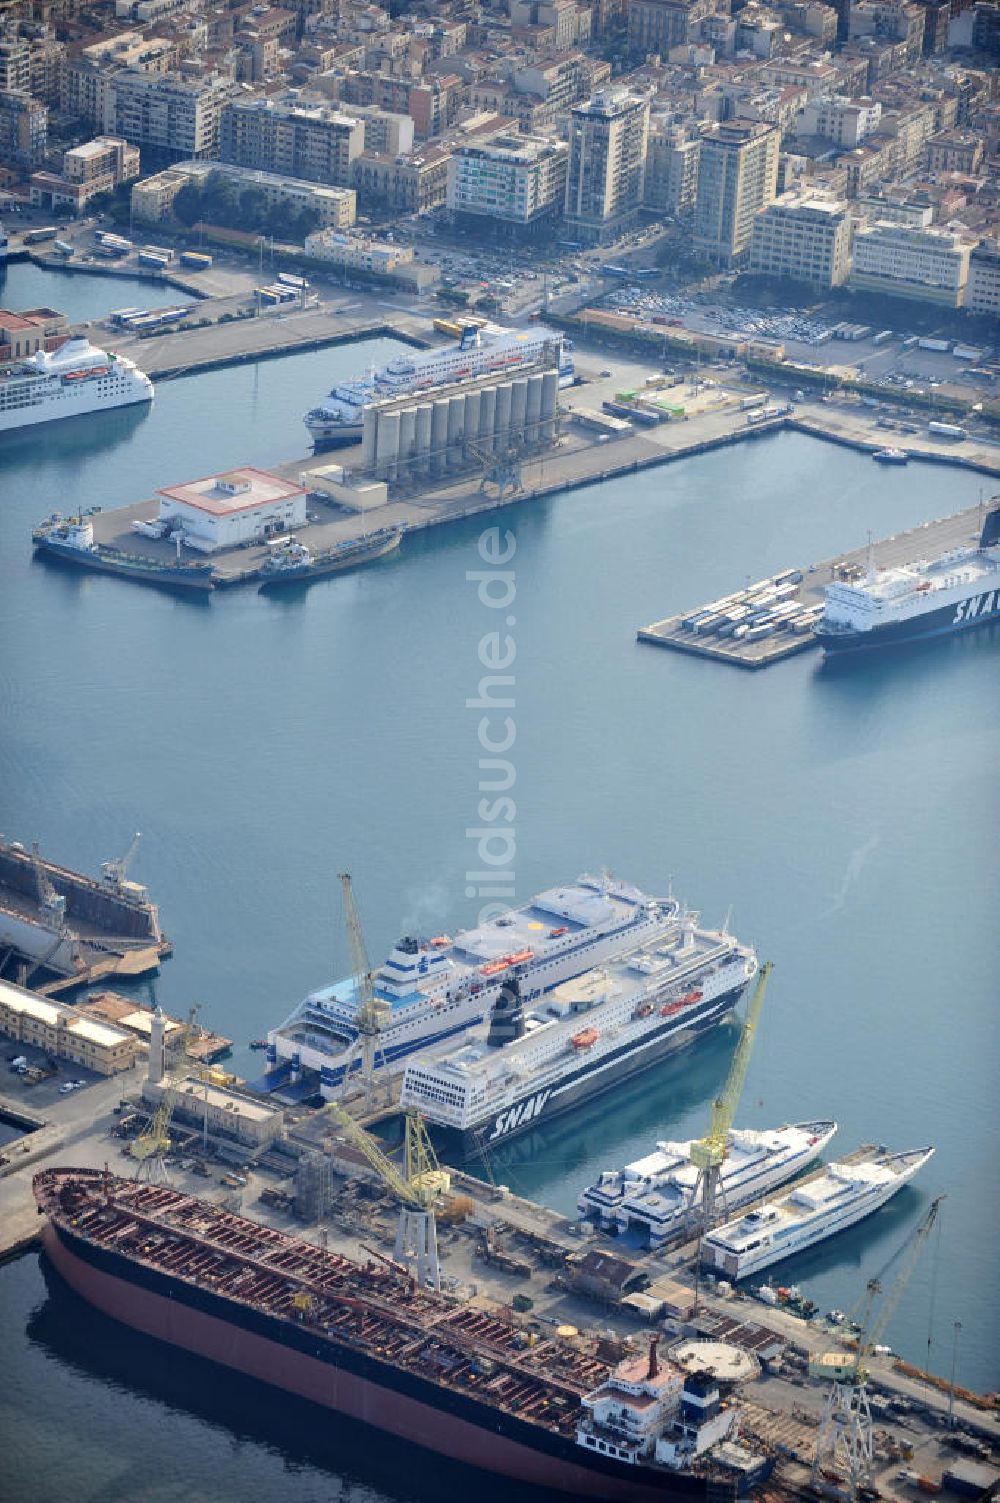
x,y
482,351
434,989
71,381
541,1058
654,1196
844,1193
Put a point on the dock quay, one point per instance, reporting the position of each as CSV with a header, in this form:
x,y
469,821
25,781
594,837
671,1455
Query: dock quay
x,y
269,336
65,929
707,631
501,1253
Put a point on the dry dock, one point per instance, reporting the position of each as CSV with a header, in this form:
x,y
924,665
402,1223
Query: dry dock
x,y
696,631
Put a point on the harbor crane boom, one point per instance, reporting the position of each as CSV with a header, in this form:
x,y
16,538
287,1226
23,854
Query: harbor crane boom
x,y
709,1153
845,1440
369,1014
115,871
416,1188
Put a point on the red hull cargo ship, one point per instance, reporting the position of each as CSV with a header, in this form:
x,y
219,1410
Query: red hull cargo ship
x,y
360,1339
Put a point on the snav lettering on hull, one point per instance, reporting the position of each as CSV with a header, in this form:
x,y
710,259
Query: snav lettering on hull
x,y
977,605
516,1116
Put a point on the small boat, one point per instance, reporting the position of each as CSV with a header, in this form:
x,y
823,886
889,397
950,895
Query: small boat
x,y
585,1040
258,1043
891,456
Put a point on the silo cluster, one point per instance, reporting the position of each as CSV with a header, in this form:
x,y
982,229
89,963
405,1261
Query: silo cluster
x,y
430,435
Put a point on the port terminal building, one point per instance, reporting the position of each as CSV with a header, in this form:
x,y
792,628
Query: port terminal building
x,y
228,510
64,1032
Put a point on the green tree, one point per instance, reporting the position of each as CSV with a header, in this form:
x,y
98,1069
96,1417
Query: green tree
x,y
187,206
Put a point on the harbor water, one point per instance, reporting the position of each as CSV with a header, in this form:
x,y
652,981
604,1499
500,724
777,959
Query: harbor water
x,y
82,295
843,821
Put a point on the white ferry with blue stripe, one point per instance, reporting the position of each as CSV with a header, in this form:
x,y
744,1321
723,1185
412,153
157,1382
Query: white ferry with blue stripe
x,y
543,1055
934,598
432,990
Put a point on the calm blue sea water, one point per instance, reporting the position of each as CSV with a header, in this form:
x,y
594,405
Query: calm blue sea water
x,y
846,819
81,295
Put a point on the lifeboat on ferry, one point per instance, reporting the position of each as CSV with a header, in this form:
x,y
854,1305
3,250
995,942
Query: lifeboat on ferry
x,y
643,1010
494,967
585,1040
440,941
555,933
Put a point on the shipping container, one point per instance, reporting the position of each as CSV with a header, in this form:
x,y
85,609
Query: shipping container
x,y
196,260
34,237
947,430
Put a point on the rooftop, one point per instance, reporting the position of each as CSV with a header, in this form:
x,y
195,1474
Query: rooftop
x,y
232,491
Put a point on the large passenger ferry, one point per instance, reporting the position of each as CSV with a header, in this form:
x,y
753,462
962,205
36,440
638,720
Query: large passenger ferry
x,y
844,1193
541,1056
932,598
654,1196
71,381
434,989
482,351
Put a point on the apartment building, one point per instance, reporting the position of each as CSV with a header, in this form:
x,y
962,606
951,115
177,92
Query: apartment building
x,y
291,135
607,159
24,130
955,151
518,181
87,77
175,115
905,261
414,184
670,185
844,121
89,170
656,26
805,237
152,199
982,291
737,177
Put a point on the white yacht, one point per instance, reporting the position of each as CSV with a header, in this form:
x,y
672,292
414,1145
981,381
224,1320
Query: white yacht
x,y
654,1195
842,1194
71,381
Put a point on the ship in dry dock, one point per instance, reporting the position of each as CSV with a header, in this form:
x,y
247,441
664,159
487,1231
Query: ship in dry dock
x,y
363,1339
65,928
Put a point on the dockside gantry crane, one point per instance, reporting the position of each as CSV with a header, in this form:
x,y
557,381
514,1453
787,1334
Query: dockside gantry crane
x,y
845,1446
417,1187
370,1012
115,872
709,1153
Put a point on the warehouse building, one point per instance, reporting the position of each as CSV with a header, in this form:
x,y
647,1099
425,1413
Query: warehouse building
x,y
64,1032
229,1115
240,506
153,198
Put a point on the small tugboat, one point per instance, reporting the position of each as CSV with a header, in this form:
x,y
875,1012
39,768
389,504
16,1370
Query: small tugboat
x,y
294,561
258,1043
891,456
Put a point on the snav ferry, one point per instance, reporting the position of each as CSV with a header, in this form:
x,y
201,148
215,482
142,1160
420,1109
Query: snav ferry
x,y
844,1193
932,598
432,990
482,351
543,1055
654,1196
71,381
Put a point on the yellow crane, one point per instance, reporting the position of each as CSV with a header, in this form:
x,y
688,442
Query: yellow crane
x,y
709,1153
843,1465
416,1187
371,1013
